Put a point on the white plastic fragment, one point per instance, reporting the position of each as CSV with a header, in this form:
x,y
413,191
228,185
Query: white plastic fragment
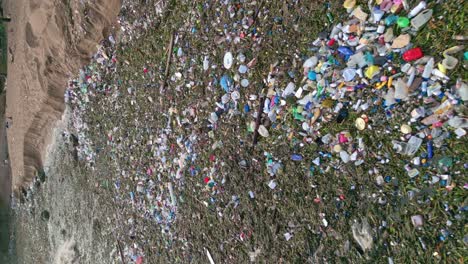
x,y
228,60
272,184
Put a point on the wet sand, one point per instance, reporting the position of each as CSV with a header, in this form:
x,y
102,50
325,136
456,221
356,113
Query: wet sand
x,y
5,189
5,175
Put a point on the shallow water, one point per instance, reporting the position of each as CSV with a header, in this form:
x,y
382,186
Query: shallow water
x,y
7,250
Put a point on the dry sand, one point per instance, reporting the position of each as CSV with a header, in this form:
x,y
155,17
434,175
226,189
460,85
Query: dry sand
x,y
48,42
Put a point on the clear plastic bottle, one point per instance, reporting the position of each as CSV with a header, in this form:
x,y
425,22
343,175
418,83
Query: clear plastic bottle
x,y
428,69
412,75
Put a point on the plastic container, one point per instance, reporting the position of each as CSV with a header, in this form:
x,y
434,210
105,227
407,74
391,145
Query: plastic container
x,y
421,19
450,62
413,54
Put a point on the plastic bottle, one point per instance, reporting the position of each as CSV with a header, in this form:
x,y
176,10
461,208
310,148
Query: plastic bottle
x,y
428,69
336,29
411,77
417,9
424,88
440,74
377,14
206,63
430,149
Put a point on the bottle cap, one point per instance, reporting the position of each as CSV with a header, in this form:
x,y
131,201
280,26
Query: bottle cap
x,y
405,129
360,123
403,22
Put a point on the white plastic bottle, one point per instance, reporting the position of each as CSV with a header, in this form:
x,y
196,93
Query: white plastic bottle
x,y
428,69
206,63
417,9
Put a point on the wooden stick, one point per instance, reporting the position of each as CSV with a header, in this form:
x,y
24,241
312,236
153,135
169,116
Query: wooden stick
x,y
120,251
168,61
257,121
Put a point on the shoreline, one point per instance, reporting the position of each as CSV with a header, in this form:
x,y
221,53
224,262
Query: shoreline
x,y
5,172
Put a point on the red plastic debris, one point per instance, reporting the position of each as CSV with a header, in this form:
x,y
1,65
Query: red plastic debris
x,y
413,54
212,158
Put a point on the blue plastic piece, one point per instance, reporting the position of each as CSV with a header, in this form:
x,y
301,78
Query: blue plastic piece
x,y
296,157
312,75
226,82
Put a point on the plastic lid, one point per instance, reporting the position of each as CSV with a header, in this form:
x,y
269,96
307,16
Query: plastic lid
x,y
360,123
243,69
228,60
312,75
244,82
337,148
405,129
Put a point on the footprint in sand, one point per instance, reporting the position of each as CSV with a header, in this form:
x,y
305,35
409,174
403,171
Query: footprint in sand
x,y
38,20
30,37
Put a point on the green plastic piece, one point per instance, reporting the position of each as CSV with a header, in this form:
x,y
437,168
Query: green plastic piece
x,y
403,22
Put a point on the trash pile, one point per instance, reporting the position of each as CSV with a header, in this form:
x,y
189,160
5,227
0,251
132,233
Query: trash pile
x,y
363,66
365,71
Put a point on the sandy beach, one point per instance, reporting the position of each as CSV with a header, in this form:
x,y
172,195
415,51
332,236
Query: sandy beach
x,y
48,43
